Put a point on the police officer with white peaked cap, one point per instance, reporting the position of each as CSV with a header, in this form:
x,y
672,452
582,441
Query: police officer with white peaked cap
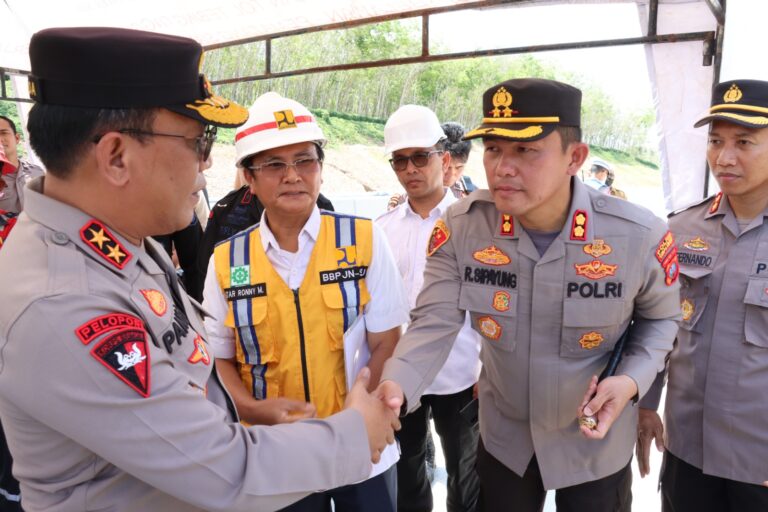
x,y
716,411
105,365
552,272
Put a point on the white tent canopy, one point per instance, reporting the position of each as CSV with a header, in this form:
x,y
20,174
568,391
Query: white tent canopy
x,y
680,83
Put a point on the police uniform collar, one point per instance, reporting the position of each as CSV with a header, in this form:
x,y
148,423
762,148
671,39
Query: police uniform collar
x,y
311,229
72,225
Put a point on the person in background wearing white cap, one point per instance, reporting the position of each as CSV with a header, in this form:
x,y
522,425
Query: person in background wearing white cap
x,y
598,174
416,141
288,295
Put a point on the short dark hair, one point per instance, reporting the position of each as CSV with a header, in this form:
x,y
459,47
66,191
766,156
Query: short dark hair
x,y
458,148
247,161
13,125
61,134
568,135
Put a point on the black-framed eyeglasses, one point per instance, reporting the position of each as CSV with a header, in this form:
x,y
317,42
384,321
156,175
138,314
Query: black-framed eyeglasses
x,y
302,166
420,159
203,143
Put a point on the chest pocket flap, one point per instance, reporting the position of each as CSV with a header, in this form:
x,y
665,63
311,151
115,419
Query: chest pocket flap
x,y
591,326
493,313
756,318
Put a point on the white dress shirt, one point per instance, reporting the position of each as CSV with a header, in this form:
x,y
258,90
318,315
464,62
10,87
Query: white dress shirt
x,y
409,235
387,308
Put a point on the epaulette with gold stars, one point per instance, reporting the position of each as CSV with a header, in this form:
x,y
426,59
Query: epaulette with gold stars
x,y
104,243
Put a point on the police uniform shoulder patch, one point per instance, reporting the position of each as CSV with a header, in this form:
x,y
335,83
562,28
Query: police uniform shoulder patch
x,y
666,254
95,327
579,226
104,243
440,236
125,354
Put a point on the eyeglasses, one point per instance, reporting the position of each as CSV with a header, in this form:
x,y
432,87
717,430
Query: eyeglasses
x,y
203,143
420,159
302,166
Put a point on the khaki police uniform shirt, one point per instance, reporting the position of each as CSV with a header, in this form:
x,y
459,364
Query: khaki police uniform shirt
x,y
103,378
548,323
717,400
12,196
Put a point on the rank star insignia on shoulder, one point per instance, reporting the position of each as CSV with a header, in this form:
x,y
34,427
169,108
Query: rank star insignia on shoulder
x,y
103,242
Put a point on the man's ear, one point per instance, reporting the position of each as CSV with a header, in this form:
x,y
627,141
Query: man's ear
x,y
112,158
578,152
446,163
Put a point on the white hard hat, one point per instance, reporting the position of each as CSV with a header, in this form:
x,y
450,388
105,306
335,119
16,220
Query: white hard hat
x,y
602,163
274,122
412,126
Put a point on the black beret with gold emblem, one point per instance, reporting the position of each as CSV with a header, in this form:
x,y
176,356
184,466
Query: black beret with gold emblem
x,y
100,67
526,109
743,102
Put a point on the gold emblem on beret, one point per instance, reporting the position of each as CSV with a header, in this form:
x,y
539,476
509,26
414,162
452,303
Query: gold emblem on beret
x,y
733,94
591,340
32,89
502,98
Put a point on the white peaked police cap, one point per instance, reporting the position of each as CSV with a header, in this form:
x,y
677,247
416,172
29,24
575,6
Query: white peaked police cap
x,y
275,121
412,126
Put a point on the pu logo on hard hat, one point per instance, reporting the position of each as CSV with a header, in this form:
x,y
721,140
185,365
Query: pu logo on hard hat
x,y
733,94
502,98
285,119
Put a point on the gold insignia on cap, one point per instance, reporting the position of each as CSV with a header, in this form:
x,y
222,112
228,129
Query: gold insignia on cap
x,y
285,119
591,340
733,94
502,98
32,89
688,309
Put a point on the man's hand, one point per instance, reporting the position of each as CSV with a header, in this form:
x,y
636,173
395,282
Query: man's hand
x,y
273,411
649,427
380,421
610,397
391,394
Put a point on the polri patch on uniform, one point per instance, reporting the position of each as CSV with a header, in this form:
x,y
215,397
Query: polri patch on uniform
x,y
125,354
492,255
595,269
200,353
156,301
579,226
597,248
591,340
716,203
697,244
440,236
501,301
507,227
95,327
688,309
103,242
246,292
489,327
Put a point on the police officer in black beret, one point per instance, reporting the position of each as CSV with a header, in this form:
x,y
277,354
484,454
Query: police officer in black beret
x,y
108,392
